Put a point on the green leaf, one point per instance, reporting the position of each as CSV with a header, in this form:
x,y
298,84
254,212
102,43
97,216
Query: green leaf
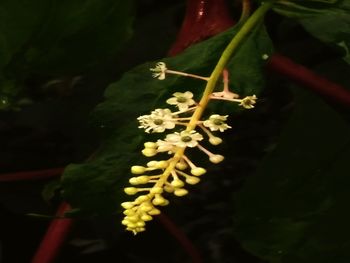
x,y
18,20
326,20
332,26
97,185
51,38
304,8
295,208
64,37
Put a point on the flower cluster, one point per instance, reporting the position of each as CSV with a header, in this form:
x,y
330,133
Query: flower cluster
x,y
155,181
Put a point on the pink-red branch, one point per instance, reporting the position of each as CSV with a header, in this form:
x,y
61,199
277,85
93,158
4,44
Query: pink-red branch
x,y
54,238
309,79
200,22
180,236
31,175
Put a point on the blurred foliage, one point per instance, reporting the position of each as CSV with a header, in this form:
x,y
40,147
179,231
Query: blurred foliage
x,y
327,20
57,38
294,208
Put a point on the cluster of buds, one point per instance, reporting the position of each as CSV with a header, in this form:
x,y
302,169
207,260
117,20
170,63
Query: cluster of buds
x,y
160,178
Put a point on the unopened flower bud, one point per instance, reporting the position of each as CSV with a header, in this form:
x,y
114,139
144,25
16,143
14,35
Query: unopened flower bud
x,y
159,200
152,163
177,183
133,218
192,180
162,164
143,179
130,190
128,212
146,207
152,145
140,229
125,222
136,169
215,140
149,152
131,225
168,189
140,224
127,205
154,212
146,217
180,192
156,190
198,171
133,181
141,199
165,203
216,158
181,165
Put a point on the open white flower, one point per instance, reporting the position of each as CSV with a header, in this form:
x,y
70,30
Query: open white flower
x,y
159,70
248,102
217,122
182,100
184,139
157,121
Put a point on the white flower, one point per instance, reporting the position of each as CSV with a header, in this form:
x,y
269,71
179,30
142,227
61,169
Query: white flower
x,y
159,70
224,94
181,100
217,122
164,146
157,121
248,102
184,139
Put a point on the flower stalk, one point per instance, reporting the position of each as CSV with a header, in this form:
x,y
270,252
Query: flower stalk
x,y
179,167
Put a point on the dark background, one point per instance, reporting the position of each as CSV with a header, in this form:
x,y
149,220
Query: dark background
x,y
54,132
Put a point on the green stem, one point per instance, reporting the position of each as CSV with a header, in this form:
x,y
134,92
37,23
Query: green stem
x,y
245,30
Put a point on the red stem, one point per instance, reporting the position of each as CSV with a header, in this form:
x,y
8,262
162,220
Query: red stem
x,y
309,79
31,175
203,19
54,237
180,236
